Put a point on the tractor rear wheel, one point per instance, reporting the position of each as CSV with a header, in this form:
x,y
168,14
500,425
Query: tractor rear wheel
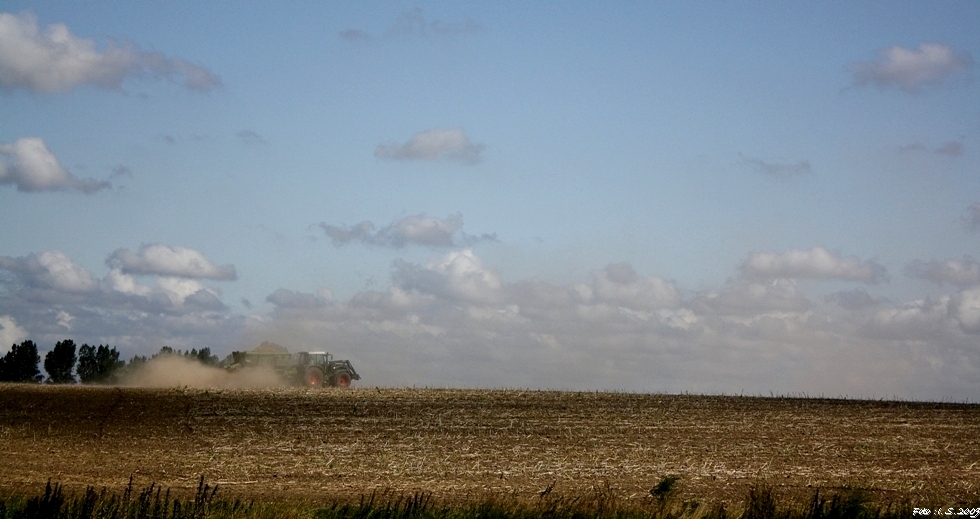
x,y
342,379
314,377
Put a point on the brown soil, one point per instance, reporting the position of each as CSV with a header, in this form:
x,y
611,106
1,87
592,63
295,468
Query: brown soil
x,y
312,445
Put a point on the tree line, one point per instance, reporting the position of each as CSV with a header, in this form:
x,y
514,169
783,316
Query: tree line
x,y
90,364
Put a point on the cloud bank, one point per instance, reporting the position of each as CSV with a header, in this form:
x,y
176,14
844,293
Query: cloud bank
x,y
816,263
960,272
283,298
412,230
54,277
55,60
456,321
29,165
932,64
47,295
163,260
10,333
432,145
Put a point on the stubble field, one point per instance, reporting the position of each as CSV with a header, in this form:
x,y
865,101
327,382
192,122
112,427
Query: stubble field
x,y
460,445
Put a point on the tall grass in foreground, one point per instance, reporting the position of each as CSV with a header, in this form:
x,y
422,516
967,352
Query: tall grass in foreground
x,y
155,503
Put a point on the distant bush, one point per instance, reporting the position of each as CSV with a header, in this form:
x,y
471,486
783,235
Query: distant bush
x,y
20,363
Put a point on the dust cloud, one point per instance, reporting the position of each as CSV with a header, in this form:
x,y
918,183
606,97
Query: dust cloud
x,y
177,371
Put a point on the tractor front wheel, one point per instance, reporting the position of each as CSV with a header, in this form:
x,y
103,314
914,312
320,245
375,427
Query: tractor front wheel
x,y
342,379
314,377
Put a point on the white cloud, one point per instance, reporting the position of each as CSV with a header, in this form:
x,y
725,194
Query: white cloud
x,y
742,297
362,232
50,270
455,322
176,296
394,302
426,231
949,323
10,333
55,60
964,306
467,277
283,298
65,319
53,278
435,144
619,284
543,301
28,164
910,70
163,260
48,293
934,320
960,272
417,229
115,280
854,299
182,291
816,263
457,276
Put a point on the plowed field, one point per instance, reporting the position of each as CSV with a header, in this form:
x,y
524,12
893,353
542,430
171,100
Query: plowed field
x,y
287,444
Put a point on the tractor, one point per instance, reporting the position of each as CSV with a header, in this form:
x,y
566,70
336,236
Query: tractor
x,y
320,369
309,368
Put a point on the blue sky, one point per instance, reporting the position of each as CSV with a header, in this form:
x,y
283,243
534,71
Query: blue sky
x,y
696,197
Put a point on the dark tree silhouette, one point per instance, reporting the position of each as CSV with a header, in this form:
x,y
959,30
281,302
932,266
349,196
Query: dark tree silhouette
x,y
203,356
20,363
133,365
98,365
165,350
60,361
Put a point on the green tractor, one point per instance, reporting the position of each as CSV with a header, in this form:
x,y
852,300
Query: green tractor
x,y
319,369
309,368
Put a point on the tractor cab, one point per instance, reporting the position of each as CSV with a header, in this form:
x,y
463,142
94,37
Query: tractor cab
x,y
315,358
